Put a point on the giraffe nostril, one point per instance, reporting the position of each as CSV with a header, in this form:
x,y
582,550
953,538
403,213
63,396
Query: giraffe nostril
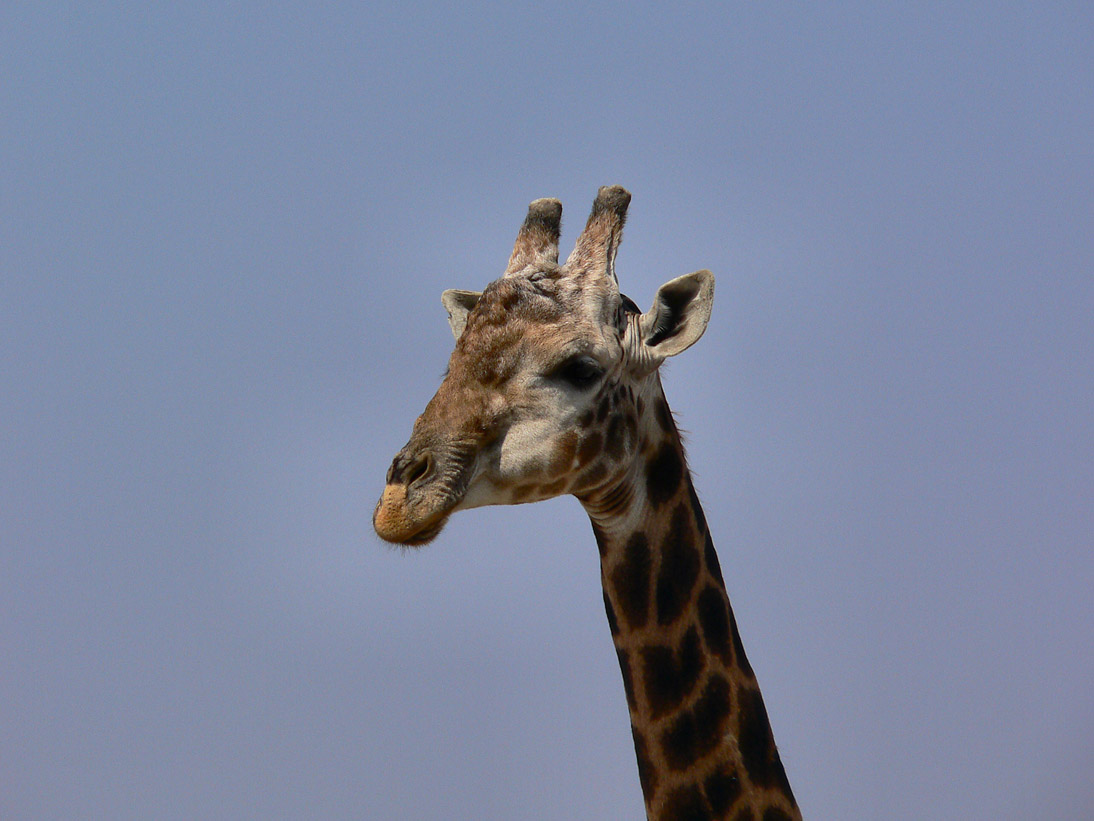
x,y
418,469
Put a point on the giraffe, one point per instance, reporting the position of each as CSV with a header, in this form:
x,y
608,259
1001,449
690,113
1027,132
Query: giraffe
x,y
553,388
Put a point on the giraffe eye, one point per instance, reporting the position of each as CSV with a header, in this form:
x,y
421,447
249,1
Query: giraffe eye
x,y
581,372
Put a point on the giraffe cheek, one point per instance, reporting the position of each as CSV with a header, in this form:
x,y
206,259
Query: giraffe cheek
x,y
526,452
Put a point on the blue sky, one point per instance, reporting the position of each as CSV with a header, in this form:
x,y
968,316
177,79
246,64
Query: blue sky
x,y
224,230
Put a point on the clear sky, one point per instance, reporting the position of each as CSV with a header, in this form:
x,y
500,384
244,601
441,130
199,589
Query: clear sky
x,y
224,231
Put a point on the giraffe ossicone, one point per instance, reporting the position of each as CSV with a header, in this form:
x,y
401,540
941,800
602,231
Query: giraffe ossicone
x,y
553,389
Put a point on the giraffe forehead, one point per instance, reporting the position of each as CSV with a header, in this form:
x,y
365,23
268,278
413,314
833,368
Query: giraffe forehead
x,y
538,299
519,321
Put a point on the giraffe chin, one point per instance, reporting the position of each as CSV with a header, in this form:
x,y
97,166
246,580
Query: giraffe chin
x,y
395,522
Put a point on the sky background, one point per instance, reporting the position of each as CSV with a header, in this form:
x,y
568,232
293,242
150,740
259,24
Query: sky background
x,y
224,231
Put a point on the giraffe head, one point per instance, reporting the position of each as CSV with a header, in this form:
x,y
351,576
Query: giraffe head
x,y
550,382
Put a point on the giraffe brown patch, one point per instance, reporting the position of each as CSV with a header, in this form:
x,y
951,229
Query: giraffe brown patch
x,y
613,625
679,742
685,804
679,567
586,418
745,814
775,814
722,787
663,474
758,753
712,711
695,733
647,774
691,653
713,610
589,448
669,677
628,680
631,581
613,445
563,457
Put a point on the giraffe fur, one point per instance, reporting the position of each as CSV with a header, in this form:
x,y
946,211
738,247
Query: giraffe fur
x,y
553,388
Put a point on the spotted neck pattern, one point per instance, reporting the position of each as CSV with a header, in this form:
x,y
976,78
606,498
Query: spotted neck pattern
x,y
701,733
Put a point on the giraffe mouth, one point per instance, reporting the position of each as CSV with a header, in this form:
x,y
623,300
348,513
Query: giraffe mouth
x,y
397,520
428,534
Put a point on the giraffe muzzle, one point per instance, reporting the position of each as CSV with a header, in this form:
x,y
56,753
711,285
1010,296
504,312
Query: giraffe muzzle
x,y
422,490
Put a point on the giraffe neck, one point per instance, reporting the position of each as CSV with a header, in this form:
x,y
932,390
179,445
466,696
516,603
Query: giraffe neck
x,y
701,733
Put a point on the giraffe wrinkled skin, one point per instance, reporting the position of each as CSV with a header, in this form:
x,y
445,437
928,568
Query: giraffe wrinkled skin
x,y
553,389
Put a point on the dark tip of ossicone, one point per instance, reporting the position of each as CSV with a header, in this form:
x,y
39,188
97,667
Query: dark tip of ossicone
x,y
546,207
545,214
612,198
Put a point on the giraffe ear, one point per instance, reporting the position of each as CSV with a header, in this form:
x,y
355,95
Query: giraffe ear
x,y
459,304
679,315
